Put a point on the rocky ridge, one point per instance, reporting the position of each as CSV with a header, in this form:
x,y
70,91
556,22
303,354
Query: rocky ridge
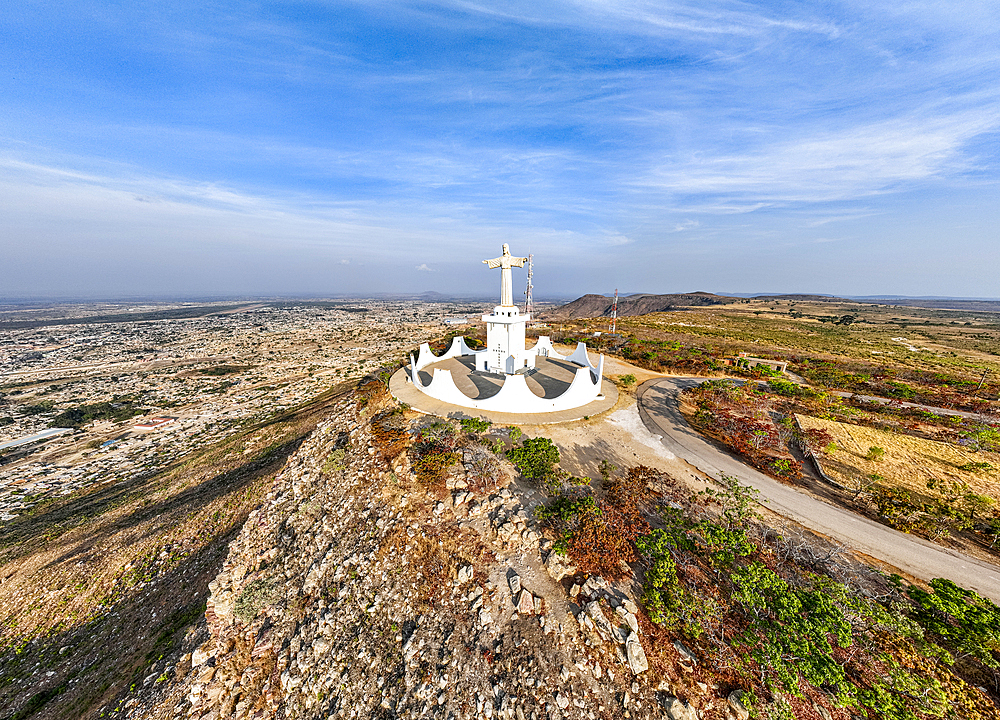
x,y
590,306
353,591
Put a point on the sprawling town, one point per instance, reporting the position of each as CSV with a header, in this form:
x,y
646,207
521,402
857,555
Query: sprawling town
x,y
90,398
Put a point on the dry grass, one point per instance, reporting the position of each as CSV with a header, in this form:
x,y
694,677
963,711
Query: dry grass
x,y
909,462
100,584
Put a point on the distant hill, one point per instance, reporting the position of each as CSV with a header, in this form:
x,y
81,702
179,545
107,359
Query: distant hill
x,y
600,306
802,298
969,305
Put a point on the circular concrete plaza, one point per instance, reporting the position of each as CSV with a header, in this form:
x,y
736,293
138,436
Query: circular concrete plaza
x,y
550,378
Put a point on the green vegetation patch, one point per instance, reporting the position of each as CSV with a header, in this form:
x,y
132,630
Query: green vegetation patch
x,y
253,598
475,425
220,370
80,415
535,457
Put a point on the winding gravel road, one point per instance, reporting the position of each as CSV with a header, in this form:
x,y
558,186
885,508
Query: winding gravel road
x,y
660,412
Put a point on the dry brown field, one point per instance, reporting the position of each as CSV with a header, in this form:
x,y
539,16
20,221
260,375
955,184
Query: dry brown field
x,y
908,462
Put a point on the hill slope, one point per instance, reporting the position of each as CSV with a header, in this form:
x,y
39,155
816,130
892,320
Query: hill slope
x,y
599,306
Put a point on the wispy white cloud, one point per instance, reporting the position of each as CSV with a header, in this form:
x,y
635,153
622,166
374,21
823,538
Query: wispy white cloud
x,y
586,129
686,225
853,163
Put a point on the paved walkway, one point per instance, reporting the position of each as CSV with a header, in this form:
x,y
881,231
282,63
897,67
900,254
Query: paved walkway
x,y
660,412
402,389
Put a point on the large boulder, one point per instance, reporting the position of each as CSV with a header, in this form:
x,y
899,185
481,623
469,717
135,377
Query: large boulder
x,y
736,703
593,609
558,566
635,654
678,709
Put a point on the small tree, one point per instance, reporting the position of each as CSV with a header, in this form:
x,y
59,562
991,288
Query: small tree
x,y
875,453
475,425
535,458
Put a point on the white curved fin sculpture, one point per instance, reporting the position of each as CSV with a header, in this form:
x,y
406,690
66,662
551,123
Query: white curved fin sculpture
x,y
597,372
543,348
515,396
579,355
458,349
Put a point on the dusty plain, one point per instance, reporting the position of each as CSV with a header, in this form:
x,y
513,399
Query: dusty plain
x,y
274,552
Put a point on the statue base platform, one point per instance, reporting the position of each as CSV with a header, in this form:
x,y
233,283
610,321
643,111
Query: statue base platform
x,y
551,378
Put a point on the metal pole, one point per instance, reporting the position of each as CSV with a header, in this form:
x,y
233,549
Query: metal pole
x,y
614,314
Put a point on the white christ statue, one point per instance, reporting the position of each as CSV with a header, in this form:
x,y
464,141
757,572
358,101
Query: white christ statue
x,y
505,262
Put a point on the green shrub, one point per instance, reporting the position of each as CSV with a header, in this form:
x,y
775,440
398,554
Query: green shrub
x,y
219,370
967,623
475,425
535,457
791,628
899,390
661,593
39,408
976,467
80,415
790,389
875,453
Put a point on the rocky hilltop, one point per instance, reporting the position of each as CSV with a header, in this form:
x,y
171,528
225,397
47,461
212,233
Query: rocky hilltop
x,y
599,306
355,590
366,561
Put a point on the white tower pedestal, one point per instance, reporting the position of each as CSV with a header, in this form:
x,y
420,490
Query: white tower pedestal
x,y
505,351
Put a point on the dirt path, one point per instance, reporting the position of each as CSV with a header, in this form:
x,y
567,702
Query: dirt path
x,y
660,413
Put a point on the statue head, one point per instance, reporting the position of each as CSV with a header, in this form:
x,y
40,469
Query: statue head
x,y
506,249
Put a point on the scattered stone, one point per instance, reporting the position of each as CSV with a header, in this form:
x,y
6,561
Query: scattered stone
x,y
687,657
678,709
515,584
593,610
736,703
465,574
630,619
822,712
200,656
562,701
636,655
558,566
525,603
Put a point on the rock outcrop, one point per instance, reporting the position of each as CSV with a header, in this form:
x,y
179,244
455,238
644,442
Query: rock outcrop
x,y
353,591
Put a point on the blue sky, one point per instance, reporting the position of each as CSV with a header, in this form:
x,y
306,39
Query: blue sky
x,y
334,147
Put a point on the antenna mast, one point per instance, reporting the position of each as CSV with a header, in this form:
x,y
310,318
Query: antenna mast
x,y
614,313
527,293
